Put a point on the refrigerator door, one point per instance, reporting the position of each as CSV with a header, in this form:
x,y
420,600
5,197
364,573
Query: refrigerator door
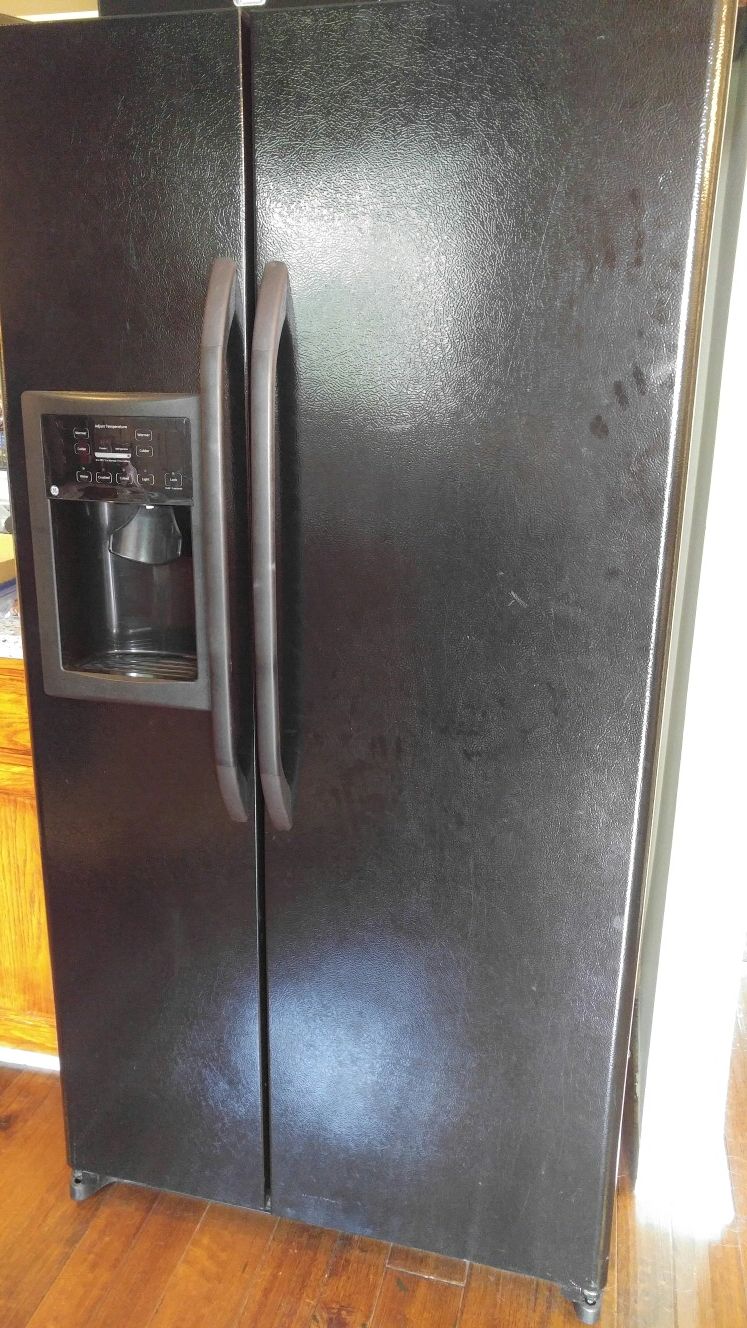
x,y
122,165
494,219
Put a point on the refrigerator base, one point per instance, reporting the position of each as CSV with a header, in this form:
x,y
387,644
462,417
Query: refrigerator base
x,y
84,1184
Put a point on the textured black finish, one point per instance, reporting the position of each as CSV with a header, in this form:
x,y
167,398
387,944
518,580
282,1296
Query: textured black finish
x,y
485,211
121,157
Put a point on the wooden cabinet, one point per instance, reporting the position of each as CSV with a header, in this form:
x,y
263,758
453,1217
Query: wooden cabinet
x,y
26,1003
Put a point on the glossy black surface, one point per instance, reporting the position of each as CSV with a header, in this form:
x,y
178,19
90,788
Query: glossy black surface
x,y
485,209
116,459
121,161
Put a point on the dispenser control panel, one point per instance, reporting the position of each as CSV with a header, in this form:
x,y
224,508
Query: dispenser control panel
x,y
118,458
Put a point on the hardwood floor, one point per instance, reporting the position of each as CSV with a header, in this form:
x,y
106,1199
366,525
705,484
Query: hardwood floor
x,y
135,1258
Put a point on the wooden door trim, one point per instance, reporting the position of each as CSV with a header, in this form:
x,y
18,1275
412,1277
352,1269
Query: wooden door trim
x,y
22,1028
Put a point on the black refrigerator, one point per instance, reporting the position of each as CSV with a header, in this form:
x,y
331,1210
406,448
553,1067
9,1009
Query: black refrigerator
x,y
349,354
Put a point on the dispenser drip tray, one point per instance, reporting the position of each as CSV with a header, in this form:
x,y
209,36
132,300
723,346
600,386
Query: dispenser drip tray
x,y
138,663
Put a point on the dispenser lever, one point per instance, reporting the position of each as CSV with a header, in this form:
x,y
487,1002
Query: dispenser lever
x,y
149,535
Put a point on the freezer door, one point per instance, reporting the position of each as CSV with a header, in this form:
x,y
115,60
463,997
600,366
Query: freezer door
x,y
493,218
121,158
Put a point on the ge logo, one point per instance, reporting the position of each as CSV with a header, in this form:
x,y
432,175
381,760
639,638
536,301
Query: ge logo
x,y
54,490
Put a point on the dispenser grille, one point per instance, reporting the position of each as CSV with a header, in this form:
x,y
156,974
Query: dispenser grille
x,y
142,664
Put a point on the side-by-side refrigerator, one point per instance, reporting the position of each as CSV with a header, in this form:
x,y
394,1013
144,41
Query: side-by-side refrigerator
x,y
349,354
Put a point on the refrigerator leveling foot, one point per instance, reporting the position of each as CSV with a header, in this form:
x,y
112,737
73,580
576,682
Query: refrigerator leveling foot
x,y
589,1308
84,1184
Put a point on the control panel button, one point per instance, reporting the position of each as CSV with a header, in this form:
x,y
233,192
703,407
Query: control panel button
x,y
143,451
82,450
124,477
80,433
144,435
103,477
146,477
173,479
84,477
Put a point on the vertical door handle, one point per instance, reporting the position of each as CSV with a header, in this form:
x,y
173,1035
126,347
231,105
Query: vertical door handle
x,y
273,308
222,305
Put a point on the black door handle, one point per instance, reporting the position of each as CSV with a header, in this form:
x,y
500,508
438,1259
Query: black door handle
x,y
222,305
273,308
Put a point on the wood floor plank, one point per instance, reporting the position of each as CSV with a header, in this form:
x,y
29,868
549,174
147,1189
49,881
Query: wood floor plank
x,y
692,1281
352,1283
728,1306
738,1176
95,1260
20,1096
39,1224
428,1265
210,1283
35,1108
409,1301
625,1252
287,1285
34,1169
500,1299
17,1104
8,1073
736,1109
39,1255
645,1269
153,1257
741,1239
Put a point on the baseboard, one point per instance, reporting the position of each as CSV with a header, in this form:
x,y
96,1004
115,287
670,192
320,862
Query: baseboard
x,y
29,1060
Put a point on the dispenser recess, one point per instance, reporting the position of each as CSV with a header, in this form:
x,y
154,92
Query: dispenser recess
x,y
114,484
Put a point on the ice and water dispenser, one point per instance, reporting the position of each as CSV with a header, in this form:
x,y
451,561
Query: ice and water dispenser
x,y
144,564
114,486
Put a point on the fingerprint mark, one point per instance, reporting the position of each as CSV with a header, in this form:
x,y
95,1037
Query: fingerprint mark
x,y
599,427
622,396
639,378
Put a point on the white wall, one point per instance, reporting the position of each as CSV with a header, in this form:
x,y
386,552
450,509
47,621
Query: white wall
x,y
682,1162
